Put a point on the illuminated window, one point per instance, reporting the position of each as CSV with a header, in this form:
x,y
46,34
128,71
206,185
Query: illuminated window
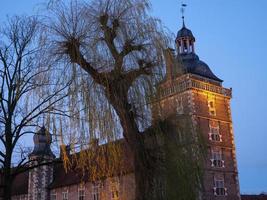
x,y
65,195
114,190
214,134
211,105
216,158
115,195
219,189
81,193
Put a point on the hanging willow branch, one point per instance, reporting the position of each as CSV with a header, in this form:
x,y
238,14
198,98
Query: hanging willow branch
x,y
115,53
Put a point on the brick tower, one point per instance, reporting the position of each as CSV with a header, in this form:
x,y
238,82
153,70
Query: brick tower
x,y
191,88
41,176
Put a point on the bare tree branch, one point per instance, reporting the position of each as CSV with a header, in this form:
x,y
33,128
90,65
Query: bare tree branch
x,y
27,91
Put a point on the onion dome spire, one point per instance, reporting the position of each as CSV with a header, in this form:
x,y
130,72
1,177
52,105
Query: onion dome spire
x,y
185,39
42,141
185,44
183,11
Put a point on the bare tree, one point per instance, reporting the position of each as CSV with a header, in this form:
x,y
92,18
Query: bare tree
x,y
28,93
115,49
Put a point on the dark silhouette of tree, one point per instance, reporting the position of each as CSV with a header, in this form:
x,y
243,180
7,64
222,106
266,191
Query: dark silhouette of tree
x,y
28,93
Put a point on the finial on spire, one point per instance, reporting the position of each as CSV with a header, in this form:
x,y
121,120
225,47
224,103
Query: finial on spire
x,y
183,11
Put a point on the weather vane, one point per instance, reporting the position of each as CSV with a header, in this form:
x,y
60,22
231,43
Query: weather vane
x,y
183,5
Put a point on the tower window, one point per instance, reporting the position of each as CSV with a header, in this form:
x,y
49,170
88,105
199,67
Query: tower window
x,y
214,134
219,189
216,158
211,106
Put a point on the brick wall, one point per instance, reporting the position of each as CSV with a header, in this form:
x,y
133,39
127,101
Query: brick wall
x,y
226,145
196,103
124,184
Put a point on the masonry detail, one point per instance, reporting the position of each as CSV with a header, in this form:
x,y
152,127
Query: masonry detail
x,y
208,103
189,87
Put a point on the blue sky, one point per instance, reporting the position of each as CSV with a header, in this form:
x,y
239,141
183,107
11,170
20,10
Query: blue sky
x,y
231,37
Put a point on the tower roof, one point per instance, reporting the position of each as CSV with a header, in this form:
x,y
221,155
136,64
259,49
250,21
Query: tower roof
x,y
185,42
42,141
185,32
192,64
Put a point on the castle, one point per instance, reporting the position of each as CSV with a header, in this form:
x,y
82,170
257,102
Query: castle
x,y
190,87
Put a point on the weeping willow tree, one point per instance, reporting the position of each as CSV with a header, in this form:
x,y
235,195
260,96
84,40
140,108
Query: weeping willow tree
x,y
115,53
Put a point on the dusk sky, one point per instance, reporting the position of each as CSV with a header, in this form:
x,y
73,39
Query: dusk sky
x,y
231,37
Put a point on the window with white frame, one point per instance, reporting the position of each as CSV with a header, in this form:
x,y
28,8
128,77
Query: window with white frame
x,y
53,195
65,195
211,105
214,134
219,188
114,189
81,193
216,158
96,191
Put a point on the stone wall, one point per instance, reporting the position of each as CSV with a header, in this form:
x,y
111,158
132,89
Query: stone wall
x,y
39,180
